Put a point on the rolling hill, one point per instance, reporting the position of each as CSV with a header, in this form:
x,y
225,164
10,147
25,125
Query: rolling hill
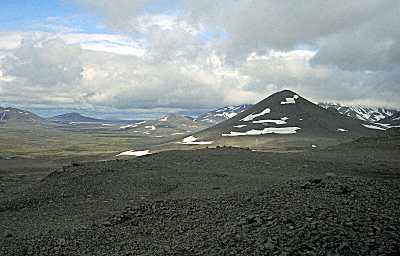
x,y
74,118
15,116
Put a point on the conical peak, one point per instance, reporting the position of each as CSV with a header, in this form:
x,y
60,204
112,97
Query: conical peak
x,y
284,93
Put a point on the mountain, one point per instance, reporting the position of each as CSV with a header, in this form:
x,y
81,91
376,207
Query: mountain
x,y
222,114
369,114
170,125
74,118
18,116
177,121
393,120
284,115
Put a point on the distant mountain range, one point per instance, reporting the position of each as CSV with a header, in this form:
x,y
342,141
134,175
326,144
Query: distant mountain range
x,y
75,118
370,114
393,120
388,117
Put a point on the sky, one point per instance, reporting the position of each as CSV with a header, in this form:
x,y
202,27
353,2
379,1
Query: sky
x,y
147,58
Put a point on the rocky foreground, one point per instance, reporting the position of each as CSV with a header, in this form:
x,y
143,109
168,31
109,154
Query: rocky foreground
x,y
260,204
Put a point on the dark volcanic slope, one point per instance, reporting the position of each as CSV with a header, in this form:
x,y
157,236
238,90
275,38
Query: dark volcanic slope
x,y
286,112
212,202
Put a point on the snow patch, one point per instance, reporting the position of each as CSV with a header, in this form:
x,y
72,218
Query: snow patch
x,y
240,126
151,127
252,116
370,126
143,122
178,133
191,140
283,130
164,119
290,100
385,125
269,121
128,126
135,153
342,130
314,146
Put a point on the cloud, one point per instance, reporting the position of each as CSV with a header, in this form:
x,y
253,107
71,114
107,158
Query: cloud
x,y
47,63
204,54
117,13
353,35
50,71
373,45
350,35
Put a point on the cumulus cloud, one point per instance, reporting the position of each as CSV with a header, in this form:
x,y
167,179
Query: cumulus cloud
x,y
204,54
47,63
49,71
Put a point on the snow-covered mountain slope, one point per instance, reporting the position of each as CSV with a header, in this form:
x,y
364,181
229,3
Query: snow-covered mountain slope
x,y
391,121
369,114
222,114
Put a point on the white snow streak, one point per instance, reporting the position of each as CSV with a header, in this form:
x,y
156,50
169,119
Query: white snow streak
x,y
370,126
191,140
283,130
240,126
128,126
269,121
252,116
135,153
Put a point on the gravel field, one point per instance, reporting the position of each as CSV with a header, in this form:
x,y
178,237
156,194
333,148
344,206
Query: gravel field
x,y
212,202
